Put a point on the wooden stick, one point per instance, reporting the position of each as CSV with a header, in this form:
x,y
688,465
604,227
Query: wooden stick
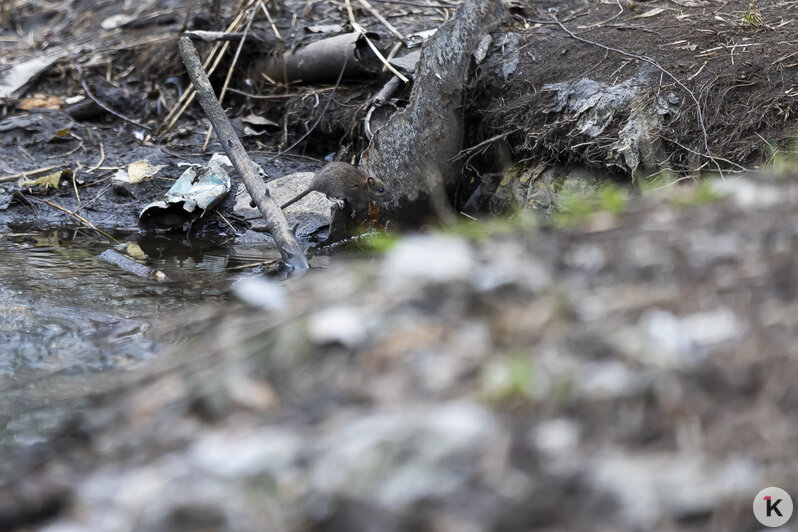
x,y
82,219
131,266
25,174
249,172
358,28
379,17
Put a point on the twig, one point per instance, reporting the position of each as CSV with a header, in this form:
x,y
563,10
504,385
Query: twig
x,y
672,183
230,73
263,96
82,219
252,265
484,142
698,71
188,17
379,17
28,155
101,161
685,148
603,22
214,36
269,18
102,191
80,146
217,52
358,28
225,220
667,73
13,177
427,5
75,185
247,170
93,98
129,265
773,151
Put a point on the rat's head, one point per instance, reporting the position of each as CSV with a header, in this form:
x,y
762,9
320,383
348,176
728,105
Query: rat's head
x,y
376,189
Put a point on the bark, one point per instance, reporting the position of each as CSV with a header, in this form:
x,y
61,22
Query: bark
x,y
414,152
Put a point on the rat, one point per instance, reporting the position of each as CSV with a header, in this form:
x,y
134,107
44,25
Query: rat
x,y
341,182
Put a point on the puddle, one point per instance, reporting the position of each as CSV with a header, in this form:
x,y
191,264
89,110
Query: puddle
x,y
68,319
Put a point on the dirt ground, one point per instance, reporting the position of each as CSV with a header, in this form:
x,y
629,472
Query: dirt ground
x,y
738,59
540,96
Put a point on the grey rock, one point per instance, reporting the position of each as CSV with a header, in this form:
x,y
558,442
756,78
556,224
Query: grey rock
x,y
312,213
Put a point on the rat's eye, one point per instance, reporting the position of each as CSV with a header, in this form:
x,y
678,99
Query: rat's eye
x,y
382,189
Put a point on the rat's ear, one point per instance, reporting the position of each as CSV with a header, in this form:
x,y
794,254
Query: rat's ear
x,y
370,181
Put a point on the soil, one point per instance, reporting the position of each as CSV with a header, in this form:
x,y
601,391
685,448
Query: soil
x,y
738,60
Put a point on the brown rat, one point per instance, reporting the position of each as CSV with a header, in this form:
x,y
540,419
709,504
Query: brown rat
x,y
341,181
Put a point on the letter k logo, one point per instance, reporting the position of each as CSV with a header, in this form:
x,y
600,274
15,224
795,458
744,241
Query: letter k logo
x,y
772,506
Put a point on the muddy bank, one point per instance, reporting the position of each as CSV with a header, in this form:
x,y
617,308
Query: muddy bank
x,y
638,87
626,89
638,363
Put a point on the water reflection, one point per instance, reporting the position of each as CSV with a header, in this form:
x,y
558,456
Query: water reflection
x,y
69,320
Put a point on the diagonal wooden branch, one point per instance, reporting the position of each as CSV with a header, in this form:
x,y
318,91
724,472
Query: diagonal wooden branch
x,y
276,223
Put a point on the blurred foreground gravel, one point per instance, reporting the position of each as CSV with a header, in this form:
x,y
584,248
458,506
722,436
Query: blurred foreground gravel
x,y
633,371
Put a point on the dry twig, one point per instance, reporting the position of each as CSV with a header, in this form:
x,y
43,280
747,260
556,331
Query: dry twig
x,y
217,52
14,177
82,219
101,161
358,28
223,92
93,98
379,17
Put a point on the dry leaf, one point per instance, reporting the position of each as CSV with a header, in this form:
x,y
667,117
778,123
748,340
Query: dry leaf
x,y
47,181
137,172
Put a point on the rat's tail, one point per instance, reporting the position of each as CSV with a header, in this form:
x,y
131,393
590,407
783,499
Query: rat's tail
x,y
295,199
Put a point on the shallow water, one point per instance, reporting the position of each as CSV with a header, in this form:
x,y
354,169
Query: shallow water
x,y
68,319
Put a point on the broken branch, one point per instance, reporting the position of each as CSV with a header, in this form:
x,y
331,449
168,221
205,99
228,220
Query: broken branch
x,y
249,172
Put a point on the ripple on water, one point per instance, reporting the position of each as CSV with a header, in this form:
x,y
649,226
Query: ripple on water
x,y
67,319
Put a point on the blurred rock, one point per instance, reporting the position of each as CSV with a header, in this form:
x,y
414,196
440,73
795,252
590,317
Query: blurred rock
x,y
312,212
434,259
644,374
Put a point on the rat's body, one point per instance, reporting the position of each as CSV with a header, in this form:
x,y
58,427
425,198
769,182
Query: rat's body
x,y
343,182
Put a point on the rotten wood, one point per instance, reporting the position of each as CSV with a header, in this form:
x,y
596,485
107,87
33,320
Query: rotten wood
x,y
249,172
322,60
